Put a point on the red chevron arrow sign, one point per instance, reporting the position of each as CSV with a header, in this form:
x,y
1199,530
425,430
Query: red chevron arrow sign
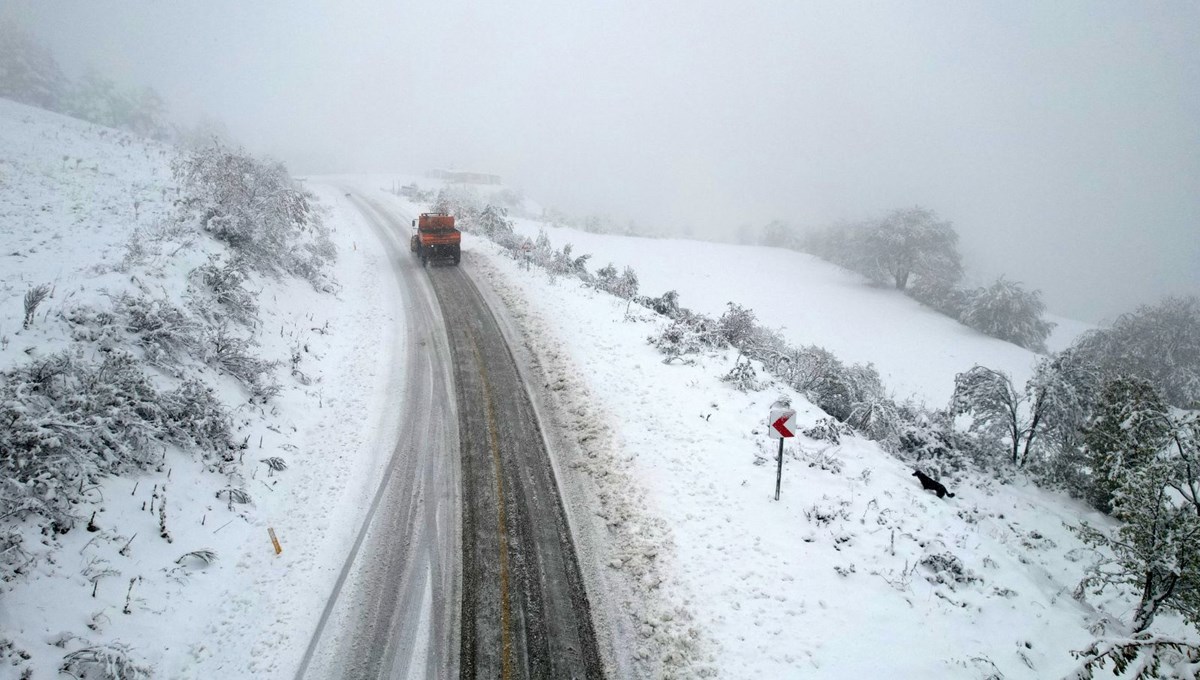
x,y
783,423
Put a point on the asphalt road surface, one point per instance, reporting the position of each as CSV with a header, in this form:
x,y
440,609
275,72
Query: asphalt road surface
x,y
514,606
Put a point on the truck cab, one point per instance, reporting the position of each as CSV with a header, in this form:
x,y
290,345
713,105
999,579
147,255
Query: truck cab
x,y
436,238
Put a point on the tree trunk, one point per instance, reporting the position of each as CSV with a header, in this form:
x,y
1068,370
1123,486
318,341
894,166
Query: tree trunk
x,y
1037,417
1154,594
901,280
1144,615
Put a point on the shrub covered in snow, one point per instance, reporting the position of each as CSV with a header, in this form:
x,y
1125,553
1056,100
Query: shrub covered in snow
x,y
743,377
65,419
1007,311
104,662
217,289
231,353
164,332
258,210
947,569
686,336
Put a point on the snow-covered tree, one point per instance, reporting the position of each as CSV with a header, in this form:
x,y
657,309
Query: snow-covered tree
x,y
943,296
1156,550
779,235
147,115
1160,343
1007,311
1129,426
999,410
28,71
912,241
627,285
1067,388
96,98
493,222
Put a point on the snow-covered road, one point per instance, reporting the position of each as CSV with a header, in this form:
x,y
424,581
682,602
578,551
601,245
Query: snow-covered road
x,y
394,610
404,604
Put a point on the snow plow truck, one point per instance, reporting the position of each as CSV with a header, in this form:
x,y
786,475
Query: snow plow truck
x,y
435,238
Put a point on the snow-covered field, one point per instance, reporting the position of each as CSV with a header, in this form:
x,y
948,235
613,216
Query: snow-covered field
x,y
917,350
854,572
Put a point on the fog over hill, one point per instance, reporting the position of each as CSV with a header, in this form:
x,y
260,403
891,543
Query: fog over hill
x,y
1061,138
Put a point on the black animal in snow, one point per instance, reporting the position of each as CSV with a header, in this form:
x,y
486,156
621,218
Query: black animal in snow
x,y
930,484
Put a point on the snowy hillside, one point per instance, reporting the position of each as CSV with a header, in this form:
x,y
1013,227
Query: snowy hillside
x,y
916,349
166,570
856,571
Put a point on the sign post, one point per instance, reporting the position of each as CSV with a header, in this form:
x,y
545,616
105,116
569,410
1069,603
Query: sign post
x,y
783,425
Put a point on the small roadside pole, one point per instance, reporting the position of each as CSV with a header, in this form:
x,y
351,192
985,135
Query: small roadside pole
x,y
783,425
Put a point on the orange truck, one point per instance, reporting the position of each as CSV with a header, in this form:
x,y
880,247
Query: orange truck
x,y
435,238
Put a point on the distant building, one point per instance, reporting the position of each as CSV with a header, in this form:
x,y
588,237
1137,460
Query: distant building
x,y
464,177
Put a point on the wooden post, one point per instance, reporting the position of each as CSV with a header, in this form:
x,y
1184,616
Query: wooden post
x,y
274,541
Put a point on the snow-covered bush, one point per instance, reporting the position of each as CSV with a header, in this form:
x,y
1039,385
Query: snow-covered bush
x,y
231,353
196,415
256,209
563,263
1152,656
743,377
947,569
12,557
828,430
65,419
88,324
923,438
461,201
112,661
683,337
666,304
623,285
943,296
1007,311
875,415
416,194
163,331
217,289
737,326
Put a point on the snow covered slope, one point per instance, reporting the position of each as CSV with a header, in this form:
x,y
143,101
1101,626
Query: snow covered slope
x,y
81,209
856,571
916,350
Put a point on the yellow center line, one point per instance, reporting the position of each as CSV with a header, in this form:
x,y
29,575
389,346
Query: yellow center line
x,y
494,441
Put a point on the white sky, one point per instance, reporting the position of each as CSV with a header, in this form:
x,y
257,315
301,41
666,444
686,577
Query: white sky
x,y
1062,138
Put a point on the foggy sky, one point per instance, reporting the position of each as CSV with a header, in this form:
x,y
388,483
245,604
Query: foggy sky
x,y
1062,139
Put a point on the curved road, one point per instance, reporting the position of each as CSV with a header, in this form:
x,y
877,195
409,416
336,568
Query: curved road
x,y
515,606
